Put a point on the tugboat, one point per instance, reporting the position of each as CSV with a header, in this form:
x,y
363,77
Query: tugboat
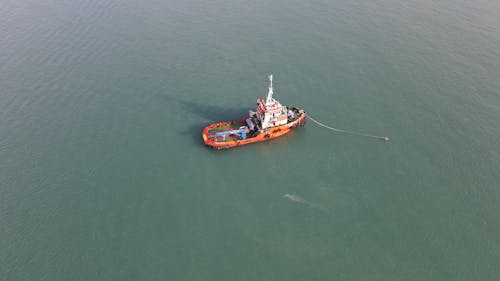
x,y
270,120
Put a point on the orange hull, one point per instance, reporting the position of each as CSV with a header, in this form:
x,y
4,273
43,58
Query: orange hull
x,y
234,141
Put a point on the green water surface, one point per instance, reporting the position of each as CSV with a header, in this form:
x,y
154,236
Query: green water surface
x,y
104,176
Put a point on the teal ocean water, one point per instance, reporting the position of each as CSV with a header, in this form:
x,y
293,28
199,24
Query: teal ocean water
x,y
104,176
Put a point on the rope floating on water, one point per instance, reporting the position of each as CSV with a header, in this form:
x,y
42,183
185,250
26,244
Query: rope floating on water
x,y
385,138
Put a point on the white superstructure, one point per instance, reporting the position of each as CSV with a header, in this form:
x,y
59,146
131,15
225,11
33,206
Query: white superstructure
x,y
271,113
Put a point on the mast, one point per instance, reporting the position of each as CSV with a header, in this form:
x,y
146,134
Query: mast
x,y
270,93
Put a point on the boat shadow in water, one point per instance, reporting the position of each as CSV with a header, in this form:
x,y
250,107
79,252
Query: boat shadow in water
x,y
208,114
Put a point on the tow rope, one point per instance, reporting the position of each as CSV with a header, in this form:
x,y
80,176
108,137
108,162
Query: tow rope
x,y
385,138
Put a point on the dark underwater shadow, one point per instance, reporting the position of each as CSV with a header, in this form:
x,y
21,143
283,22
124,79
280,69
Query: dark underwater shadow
x,y
209,113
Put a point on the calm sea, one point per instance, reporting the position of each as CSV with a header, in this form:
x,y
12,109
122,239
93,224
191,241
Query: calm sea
x,y
104,176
